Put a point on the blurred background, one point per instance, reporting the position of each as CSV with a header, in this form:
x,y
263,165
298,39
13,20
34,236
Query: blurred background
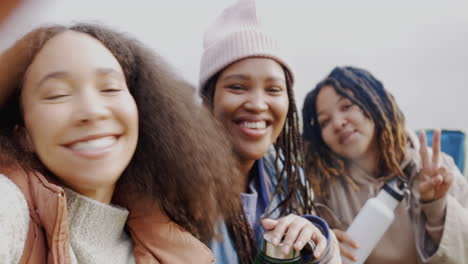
x,y
418,49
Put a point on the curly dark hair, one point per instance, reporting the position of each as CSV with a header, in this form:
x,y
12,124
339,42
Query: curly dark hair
x,y
295,192
359,86
182,160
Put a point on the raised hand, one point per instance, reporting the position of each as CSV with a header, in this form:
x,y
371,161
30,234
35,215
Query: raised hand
x,y
434,180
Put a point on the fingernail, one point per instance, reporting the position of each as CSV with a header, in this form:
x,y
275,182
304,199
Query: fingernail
x,y
267,237
286,249
317,253
298,245
275,241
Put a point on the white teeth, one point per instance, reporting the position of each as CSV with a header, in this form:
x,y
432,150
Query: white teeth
x,y
254,125
94,144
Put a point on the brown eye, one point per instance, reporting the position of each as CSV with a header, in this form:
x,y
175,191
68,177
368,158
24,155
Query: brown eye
x,y
111,90
236,87
346,106
324,122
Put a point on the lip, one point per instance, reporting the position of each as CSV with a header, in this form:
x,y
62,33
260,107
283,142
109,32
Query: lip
x,y
96,153
345,137
252,133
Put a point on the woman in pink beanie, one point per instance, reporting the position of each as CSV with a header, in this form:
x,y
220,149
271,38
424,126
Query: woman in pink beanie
x,y
246,81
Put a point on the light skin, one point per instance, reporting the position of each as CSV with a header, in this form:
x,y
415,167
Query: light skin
x,y
80,117
346,129
251,101
337,116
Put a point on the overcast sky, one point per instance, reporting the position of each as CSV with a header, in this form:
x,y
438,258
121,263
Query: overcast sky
x,y
418,49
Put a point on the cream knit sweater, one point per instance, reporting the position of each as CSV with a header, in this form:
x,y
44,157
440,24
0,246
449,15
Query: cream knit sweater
x,y
96,229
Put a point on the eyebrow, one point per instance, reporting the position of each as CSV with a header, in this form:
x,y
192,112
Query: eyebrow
x,y
247,77
62,74
236,76
52,75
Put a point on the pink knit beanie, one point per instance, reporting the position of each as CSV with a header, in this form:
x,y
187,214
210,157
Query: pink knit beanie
x,y
237,34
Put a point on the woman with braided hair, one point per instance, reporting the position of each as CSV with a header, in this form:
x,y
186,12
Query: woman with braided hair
x,y
246,81
355,141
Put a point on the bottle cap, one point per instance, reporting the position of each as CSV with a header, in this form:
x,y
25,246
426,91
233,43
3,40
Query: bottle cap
x,y
396,188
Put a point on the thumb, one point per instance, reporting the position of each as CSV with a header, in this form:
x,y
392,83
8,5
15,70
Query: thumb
x,y
269,224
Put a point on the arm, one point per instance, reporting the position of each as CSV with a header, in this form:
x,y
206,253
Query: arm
x,y
14,221
442,224
447,232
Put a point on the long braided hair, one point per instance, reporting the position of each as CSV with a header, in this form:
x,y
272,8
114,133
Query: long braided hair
x,y
323,166
293,189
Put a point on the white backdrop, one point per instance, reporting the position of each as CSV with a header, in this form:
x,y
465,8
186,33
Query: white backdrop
x,y
419,48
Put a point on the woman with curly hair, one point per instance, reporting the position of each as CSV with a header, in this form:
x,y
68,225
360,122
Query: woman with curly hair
x,y
105,157
355,141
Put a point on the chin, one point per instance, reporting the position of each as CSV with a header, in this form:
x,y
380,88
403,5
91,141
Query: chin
x,y
250,155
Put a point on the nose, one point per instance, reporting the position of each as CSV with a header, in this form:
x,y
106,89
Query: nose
x,y
339,122
256,102
90,106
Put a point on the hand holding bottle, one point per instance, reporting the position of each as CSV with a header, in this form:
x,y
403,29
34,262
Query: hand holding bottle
x,y
297,232
434,180
345,242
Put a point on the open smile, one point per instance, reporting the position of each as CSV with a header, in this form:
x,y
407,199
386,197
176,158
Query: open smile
x,y
93,146
253,129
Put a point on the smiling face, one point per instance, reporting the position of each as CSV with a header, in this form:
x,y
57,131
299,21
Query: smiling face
x,y
251,100
81,119
344,127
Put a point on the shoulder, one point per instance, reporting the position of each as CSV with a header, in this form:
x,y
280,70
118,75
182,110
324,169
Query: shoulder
x,y
14,220
12,197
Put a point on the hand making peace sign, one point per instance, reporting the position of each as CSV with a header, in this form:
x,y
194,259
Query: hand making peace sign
x,y
434,180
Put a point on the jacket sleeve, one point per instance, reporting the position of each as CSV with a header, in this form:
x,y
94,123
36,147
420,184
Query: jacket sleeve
x,y
157,239
444,238
14,221
332,252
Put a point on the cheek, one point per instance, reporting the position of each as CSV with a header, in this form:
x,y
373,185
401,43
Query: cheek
x,y
280,107
128,107
223,107
326,137
42,123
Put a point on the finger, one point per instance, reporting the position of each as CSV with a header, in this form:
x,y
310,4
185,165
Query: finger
x,y
345,238
269,223
303,238
423,150
338,233
425,187
321,243
293,231
436,148
345,252
447,181
448,177
281,228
